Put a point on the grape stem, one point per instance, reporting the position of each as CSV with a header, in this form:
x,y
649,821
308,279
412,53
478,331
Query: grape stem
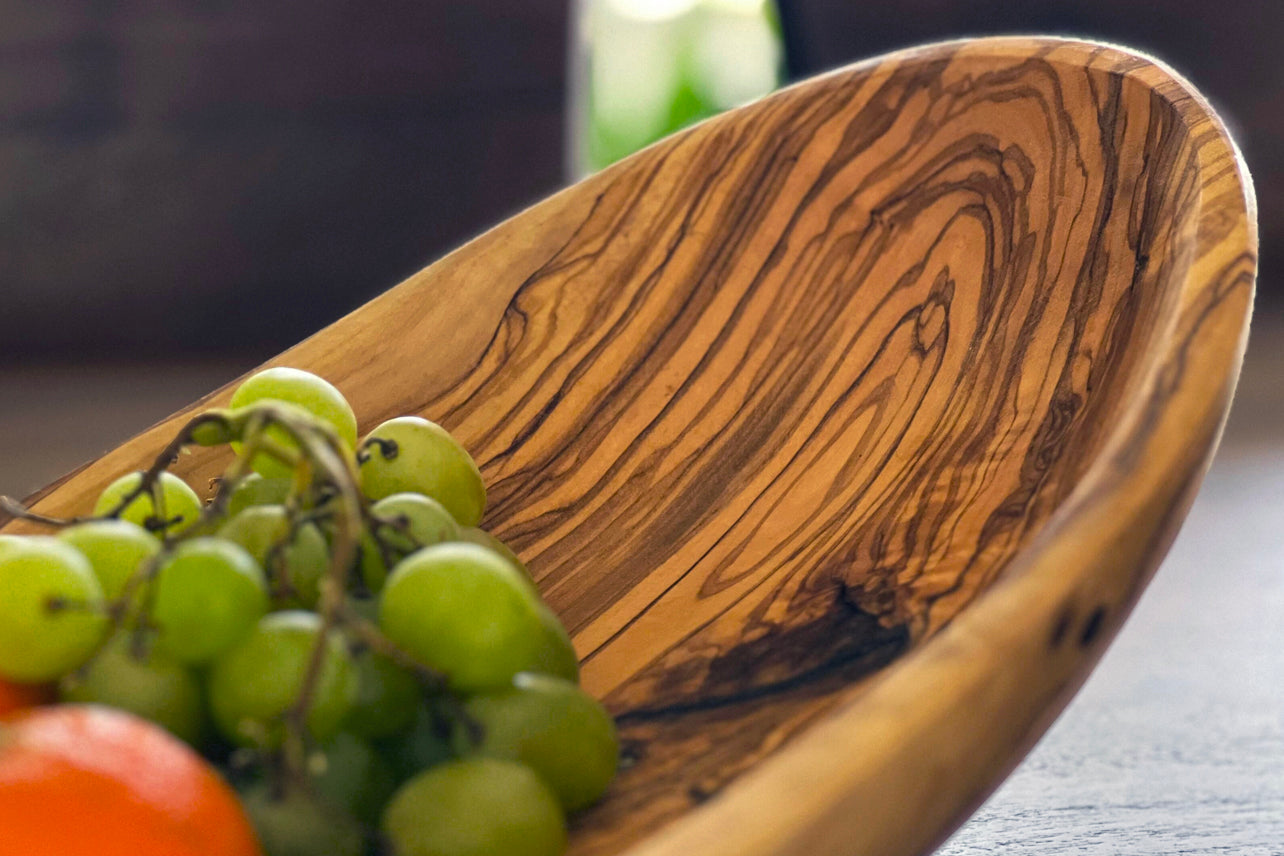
x,y
18,511
323,450
432,680
388,551
387,448
150,481
323,466
368,635
235,473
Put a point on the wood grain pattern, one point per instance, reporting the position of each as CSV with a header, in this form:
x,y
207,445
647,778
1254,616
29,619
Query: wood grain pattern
x,y
766,406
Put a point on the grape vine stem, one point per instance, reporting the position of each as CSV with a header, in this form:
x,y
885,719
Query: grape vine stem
x,y
322,464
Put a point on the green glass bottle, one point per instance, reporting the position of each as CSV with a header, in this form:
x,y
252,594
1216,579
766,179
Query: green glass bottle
x,y
646,68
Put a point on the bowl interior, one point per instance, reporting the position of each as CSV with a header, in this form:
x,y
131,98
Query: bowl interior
x,y
764,466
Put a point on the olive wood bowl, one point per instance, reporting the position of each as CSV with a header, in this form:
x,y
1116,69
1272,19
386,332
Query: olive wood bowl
x,y
843,429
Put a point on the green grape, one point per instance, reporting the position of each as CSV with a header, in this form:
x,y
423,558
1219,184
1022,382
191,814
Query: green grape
x,y
256,490
260,528
355,777
254,685
425,744
215,432
479,807
387,697
556,655
180,502
116,549
371,562
37,643
303,390
477,535
426,523
208,594
427,460
464,611
555,728
297,823
153,687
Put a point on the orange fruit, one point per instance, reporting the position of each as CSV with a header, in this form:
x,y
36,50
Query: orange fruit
x,y
83,779
15,697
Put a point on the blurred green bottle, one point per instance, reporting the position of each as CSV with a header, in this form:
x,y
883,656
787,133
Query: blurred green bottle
x,y
642,69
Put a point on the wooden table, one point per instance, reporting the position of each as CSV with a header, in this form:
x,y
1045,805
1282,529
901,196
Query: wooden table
x,y
1175,745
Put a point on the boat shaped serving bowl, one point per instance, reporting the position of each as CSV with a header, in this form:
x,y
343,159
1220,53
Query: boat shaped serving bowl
x,y
843,429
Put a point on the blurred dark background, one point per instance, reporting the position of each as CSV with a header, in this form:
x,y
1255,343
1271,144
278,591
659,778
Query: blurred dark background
x,y
223,177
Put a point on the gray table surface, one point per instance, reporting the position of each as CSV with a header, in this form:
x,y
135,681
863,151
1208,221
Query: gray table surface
x,y
1175,744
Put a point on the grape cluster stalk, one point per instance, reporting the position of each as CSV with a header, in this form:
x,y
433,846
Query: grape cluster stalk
x,y
324,491
374,672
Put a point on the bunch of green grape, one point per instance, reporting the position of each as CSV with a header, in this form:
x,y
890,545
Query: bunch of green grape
x,y
373,671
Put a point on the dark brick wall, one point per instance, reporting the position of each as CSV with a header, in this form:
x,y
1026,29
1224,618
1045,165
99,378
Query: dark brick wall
x,y
187,175
214,174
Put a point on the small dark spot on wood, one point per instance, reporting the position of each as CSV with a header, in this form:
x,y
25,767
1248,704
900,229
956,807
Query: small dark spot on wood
x,y
631,752
1062,626
1092,626
883,600
700,793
